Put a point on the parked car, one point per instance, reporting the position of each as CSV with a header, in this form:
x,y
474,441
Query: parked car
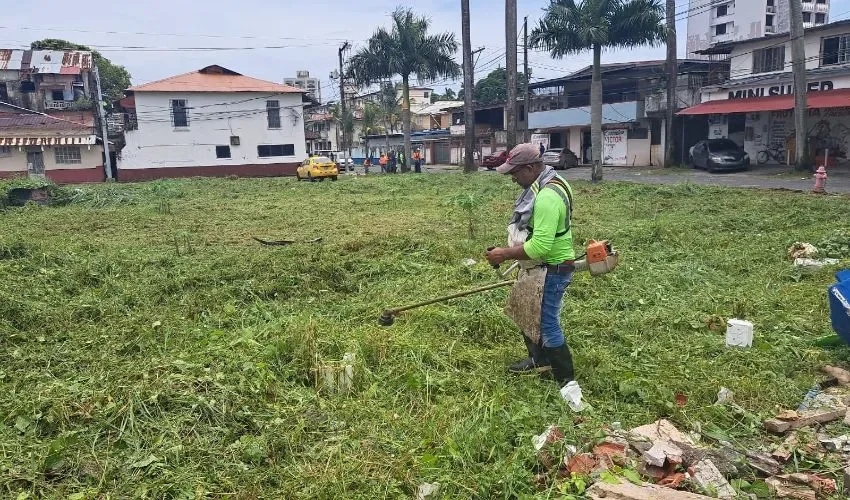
x,y
719,154
560,158
317,168
495,160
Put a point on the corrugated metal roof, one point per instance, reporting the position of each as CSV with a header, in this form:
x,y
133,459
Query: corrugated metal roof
x,y
11,59
215,79
66,62
39,122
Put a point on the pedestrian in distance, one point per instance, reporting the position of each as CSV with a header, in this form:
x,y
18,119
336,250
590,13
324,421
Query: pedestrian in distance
x,y
542,149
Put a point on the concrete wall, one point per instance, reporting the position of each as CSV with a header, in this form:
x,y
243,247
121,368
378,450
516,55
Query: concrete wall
x,y
90,169
213,118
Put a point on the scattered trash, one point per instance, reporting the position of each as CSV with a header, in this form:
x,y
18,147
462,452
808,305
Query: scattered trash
x,y
809,398
428,491
681,399
469,262
823,407
662,430
786,449
725,396
628,491
551,435
571,393
835,444
763,463
781,488
801,250
812,265
739,333
582,465
706,475
841,374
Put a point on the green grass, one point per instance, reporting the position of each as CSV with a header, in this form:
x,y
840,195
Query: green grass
x,y
150,348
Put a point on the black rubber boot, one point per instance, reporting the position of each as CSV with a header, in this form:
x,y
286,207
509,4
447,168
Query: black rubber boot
x,y
562,363
535,362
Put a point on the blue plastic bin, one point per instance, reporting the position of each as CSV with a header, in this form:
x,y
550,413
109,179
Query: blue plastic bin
x,y
839,305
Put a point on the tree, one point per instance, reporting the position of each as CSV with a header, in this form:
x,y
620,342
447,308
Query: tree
x,y
369,123
114,79
449,95
407,49
569,28
494,88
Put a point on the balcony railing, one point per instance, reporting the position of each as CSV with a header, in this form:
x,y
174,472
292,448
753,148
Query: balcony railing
x,y
771,9
770,29
57,104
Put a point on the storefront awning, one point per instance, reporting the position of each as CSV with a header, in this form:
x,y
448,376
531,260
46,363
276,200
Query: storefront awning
x,y
48,141
816,100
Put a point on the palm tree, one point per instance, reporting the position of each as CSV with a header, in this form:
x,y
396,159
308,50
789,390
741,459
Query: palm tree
x,y
407,49
570,27
371,115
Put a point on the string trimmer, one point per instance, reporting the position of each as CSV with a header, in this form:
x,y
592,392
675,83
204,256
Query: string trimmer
x,y
600,258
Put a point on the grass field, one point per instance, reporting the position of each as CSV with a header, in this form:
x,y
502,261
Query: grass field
x,y
150,348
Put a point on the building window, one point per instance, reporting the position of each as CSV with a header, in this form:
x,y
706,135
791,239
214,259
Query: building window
x,y
425,95
722,10
821,1
179,113
836,50
222,151
770,3
768,21
720,29
267,151
769,59
807,17
273,111
4,92
820,18
66,155
5,151
57,95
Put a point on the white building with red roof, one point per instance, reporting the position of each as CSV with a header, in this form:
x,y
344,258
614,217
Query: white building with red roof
x,y
212,122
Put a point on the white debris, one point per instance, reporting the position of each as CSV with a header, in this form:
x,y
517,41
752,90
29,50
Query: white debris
x,y
813,265
725,396
706,475
571,393
802,251
428,491
469,262
834,444
739,333
551,435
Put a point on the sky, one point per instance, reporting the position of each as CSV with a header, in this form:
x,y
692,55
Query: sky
x,y
150,38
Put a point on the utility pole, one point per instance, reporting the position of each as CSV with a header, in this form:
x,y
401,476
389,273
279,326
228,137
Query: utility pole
x,y
469,165
342,117
107,161
798,57
672,83
525,99
511,63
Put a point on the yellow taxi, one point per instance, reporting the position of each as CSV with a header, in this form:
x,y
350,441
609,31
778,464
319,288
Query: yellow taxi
x,y
317,168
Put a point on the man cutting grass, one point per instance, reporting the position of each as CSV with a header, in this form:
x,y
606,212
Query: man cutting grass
x,y
540,238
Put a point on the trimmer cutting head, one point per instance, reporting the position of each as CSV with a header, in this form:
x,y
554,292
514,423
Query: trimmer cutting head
x,y
387,318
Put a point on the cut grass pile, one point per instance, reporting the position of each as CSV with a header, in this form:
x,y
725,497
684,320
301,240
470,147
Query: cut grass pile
x,y
150,348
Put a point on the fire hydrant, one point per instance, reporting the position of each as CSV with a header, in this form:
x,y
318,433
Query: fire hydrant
x,y
820,180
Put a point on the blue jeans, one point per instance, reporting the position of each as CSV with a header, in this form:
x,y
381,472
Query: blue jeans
x,y
550,314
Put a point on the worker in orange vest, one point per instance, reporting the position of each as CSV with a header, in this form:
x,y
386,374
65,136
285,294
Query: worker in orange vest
x,y
417,162
383,161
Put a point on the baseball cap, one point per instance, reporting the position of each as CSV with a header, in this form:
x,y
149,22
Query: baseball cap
x,y
523,154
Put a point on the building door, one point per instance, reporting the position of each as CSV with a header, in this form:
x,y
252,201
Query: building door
x,y
35,163
442,153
